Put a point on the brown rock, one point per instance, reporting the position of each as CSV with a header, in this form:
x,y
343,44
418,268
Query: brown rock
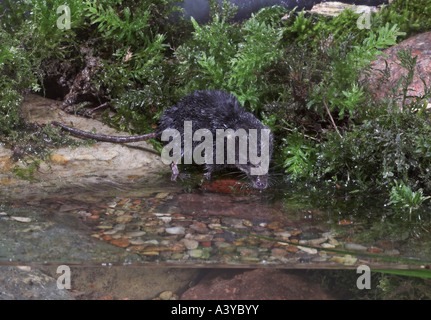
x,y
420,47
123,243
259,284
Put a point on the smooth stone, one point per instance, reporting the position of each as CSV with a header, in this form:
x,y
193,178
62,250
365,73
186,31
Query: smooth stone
x,y
134,234
308,250
21,219
166,295
195,253
285,235
190,243
355,246
328,245
175,230
137,242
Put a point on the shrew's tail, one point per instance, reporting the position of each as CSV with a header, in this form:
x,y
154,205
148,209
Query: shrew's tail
x,y
101,137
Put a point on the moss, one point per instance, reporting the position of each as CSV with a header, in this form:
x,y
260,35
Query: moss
x,y
412,17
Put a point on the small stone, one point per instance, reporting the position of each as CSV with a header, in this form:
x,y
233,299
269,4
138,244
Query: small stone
x,y
199,227
190,243
110,231
24,268
346,260
327,245
327,235
110,211
175,230
166,242
285,235
104,226
177,247
150,253
122,243
202,237
21,219
154,242
247,223
334,241
224,247
313,242
295,233
291,248
134,234
355,247
165,219
177,256
195,253
274,225
112,204
308,250
161,195
137,242
3,213
206,244
166,295
214,225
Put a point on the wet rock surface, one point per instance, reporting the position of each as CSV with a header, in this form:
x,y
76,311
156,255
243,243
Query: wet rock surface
x,y
26,283
259,284
85,164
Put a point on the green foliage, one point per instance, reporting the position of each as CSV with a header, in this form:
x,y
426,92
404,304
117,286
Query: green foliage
x,y
26,173
133,59
315,31
394,287
379,151
402,196
29,36
413,16
299,155
346,66
230,57
15,78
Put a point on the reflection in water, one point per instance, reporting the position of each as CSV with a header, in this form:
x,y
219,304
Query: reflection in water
x,y
132,223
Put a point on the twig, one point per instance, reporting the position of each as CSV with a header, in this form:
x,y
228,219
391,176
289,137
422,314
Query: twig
x,y
103,105
332,120
305,135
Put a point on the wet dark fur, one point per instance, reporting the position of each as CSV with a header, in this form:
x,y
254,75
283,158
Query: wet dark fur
x,y
207,110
